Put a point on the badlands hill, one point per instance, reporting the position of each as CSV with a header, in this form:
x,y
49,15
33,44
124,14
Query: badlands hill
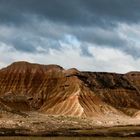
x,y
52,90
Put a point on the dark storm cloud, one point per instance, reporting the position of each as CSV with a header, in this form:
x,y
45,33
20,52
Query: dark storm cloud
x,y
23,45
90,21
73,12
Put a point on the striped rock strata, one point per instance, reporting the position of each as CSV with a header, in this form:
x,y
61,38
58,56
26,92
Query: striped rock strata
x,y
50,89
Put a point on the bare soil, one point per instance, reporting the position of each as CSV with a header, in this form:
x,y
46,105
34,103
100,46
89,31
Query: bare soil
x,y
37,124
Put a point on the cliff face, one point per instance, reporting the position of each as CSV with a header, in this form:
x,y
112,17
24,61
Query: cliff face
x,y
52,90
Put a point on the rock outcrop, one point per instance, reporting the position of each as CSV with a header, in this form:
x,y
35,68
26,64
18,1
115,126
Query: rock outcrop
x,y
52,90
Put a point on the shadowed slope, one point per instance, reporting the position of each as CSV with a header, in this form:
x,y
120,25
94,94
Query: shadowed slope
x,y
114,89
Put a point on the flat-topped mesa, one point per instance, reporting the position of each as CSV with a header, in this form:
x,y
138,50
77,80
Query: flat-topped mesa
x,y
24,77
23,66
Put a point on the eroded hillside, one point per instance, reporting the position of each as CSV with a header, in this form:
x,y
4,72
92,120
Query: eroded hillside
x,y
52,90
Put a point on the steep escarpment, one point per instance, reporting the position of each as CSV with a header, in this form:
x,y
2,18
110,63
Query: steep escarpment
x,y
52,90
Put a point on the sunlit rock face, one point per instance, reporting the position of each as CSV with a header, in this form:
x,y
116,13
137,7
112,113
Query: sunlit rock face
x,y
50,89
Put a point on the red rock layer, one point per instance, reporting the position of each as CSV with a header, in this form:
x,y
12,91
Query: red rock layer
x,y
52,90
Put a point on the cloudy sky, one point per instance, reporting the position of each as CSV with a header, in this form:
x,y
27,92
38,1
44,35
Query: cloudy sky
x,y
95,35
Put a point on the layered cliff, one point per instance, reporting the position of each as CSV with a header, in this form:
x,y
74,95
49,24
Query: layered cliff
x,y
53,90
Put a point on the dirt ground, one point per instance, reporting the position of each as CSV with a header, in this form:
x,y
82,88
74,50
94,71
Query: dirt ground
x,y
37,124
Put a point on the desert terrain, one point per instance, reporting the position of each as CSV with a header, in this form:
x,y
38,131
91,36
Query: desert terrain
x,y
46,100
